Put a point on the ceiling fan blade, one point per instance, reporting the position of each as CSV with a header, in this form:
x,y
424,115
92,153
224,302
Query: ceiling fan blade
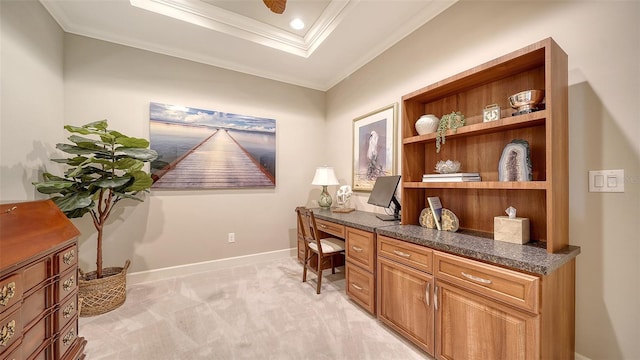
x,y
277,6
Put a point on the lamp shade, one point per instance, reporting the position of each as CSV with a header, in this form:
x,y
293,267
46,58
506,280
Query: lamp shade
x,y
325,176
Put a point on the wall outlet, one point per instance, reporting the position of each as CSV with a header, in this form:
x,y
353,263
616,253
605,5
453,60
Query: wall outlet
x,y
231,237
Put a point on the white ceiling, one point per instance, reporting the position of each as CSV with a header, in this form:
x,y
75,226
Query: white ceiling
x,y
244,35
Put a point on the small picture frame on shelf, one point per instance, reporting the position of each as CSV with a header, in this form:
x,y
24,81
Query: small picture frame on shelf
x,y
491,113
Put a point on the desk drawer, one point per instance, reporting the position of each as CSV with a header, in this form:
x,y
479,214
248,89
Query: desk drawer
x,y
505,285
415,256
65,313
35,274
361,287
65,339
330,228
360,248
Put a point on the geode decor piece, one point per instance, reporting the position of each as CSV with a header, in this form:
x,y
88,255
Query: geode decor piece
x,y
515,162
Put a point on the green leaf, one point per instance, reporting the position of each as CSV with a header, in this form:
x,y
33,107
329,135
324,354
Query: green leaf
x,y
113,182
132,142
77,150
142,181
74,201
129,164
140,154
52,187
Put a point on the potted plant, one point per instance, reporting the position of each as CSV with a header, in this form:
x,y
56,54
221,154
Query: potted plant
x,y
104,167
449,121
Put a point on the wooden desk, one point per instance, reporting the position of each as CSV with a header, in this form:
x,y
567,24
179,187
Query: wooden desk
x,y
450,292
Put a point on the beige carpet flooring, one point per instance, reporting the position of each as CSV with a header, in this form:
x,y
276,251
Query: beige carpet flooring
x,y
259,311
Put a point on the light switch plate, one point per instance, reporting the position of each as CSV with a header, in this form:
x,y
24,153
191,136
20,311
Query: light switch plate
x,y
606,181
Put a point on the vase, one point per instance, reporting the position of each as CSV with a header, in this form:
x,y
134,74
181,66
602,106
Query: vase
x,y
427,124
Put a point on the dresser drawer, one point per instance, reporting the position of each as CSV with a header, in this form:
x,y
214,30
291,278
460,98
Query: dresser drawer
x,y
35,274
16,354
67,284
65,339
65,313
10,291
34,337
361,287
34,306
10,329
330,228
66,259
505,285
415,256
360,248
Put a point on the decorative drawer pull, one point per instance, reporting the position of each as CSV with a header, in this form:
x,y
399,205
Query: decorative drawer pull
x,y
69,310
322,226
7,332
357,287
355,248
7,292
68,284
400,253
475,278
68,339
68,257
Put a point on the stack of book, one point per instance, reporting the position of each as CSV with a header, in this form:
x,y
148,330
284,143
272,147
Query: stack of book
x,y
454,177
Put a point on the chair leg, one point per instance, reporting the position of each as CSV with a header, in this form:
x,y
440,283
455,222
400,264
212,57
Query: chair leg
x,y
319,281
333,268
304,270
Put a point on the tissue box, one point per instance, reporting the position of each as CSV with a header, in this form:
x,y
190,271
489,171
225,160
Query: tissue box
x,y
514,230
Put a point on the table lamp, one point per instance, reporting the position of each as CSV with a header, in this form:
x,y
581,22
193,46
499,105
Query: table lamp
x,y
325,176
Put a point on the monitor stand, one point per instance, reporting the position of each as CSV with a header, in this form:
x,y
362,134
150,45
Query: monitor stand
x,y
387,217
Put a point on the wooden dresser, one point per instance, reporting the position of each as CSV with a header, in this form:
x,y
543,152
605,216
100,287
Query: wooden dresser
x,y
38,283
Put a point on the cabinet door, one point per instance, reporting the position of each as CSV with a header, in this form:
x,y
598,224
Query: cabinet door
x,y
469,326
405,302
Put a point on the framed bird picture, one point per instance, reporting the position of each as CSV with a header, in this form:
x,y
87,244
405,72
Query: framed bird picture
x,y
374,136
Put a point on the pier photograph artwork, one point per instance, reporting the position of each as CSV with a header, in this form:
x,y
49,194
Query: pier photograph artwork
x,y
207,149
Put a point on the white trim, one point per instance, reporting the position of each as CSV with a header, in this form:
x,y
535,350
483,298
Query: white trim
x,y
188,269
581,357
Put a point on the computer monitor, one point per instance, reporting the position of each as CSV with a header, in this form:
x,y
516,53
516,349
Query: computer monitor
x,y
384,193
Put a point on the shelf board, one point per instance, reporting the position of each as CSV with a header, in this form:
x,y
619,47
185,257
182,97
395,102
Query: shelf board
x,y
507,123
482,185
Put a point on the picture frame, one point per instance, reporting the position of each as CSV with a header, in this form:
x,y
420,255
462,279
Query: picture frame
x,y
374,147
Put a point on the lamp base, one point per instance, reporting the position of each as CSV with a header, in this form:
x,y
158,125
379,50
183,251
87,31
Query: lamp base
x,y
325,199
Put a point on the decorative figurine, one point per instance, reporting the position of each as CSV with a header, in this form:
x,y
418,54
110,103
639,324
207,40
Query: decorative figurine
x,y
515,162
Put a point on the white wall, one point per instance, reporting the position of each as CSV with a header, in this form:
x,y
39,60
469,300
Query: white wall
x,y
602,40
104,80
31,95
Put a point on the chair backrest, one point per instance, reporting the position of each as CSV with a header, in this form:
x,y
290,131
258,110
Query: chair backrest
x,y
308,228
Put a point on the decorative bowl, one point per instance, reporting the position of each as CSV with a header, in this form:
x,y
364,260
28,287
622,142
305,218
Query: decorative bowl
x,y
526,101
447,167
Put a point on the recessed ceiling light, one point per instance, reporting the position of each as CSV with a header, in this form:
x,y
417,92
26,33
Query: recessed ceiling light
x,y
297,24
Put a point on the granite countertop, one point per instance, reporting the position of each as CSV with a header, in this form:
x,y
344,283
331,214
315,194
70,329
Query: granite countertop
x,y
531,257
356,219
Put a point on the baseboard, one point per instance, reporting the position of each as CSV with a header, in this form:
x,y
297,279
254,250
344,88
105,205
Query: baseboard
x,y
188,269
581,357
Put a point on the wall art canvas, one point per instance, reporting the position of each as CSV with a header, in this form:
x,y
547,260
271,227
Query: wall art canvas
x,y
373,147
208,149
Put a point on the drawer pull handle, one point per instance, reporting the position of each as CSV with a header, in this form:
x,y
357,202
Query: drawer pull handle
x,y
68,284
475,278
69,310
7,332
435,297
357,287
322,226
426,294
68,257
403,254
355,248
7,292
67,339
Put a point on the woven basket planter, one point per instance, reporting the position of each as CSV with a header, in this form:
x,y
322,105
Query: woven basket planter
x,y
99,296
